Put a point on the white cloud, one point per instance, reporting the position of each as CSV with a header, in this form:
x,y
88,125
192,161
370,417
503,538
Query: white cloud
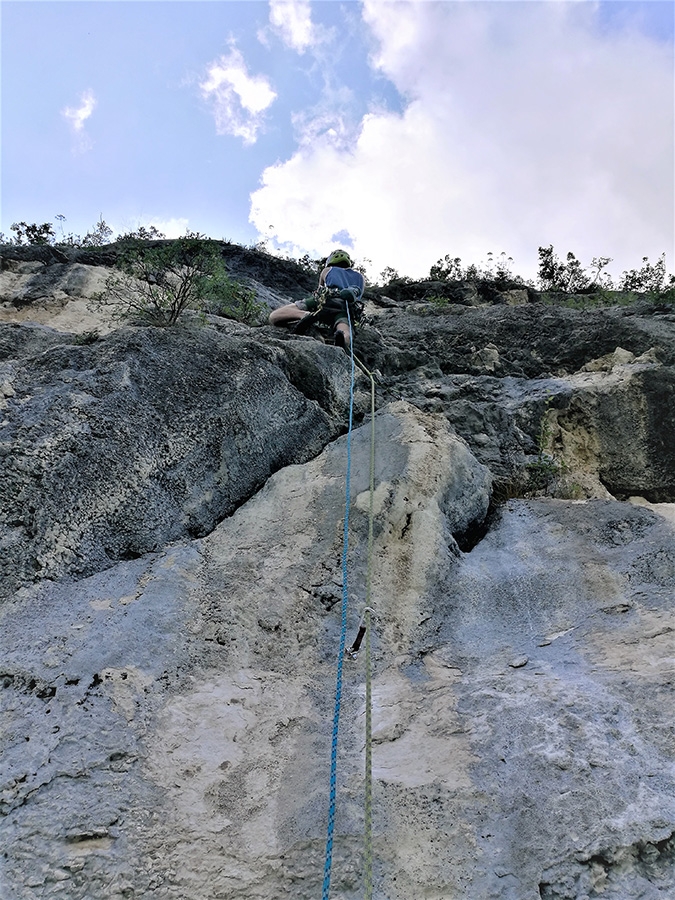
x,y
76,116
172,228
292,21
525,125
333,117
238,100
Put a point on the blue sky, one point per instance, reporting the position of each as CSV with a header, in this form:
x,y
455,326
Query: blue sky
x,y
402,130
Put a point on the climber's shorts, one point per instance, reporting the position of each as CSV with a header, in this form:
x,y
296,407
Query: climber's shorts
x,y
330,310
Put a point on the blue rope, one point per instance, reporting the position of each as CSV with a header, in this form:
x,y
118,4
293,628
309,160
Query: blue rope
x,y
343,635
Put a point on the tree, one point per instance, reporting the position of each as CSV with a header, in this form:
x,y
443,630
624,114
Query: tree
x,y
600,278
446,269
33,234
388,274
143,234
650,277
555,275
99,235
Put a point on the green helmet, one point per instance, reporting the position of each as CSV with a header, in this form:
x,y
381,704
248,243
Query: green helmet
x,y
339,258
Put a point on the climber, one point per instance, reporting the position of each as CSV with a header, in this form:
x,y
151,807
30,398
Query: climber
x,y
339,285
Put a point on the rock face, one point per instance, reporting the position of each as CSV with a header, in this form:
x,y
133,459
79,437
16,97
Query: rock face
x,y
172,510
116,448
599,382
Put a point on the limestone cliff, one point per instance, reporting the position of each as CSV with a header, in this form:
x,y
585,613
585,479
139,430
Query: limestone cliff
x,y
171,509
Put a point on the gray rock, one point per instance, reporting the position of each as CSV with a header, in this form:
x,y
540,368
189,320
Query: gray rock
x,y
172,522
112,449
178,706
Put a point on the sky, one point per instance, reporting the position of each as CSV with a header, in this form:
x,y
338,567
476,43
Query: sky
x,y
401,131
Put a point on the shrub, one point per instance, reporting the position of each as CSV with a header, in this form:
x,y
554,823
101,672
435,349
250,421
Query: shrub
x,y
649,278
545,468
570,277
233,300
32,234
87,337
312,266
99,235
44,234
495,270
154,284
555,275
142,234
446,269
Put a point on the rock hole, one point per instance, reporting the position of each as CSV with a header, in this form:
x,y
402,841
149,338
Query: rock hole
x,y
130,554
474,534
46,693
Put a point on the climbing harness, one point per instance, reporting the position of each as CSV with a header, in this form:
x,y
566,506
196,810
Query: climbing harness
x,y
363,633
326,305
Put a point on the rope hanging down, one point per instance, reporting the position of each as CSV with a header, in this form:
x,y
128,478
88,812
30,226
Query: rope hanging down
x,y
363,632
343,634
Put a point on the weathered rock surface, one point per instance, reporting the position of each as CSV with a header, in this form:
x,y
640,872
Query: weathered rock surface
x,y
57,294
602,381
172,506
115,448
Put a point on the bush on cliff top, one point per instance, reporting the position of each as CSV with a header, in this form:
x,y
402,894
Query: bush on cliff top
x,y
154,283
553,275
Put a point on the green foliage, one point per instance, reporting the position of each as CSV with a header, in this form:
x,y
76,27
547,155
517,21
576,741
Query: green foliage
x,y
32,234
154,284
594,300
26,234
542,472
568,277
555,275
447,269
600,279
545,468
387,275
362,266
142,234
99,235
313,266
496,270
233,300
649,278
438,302
87,337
